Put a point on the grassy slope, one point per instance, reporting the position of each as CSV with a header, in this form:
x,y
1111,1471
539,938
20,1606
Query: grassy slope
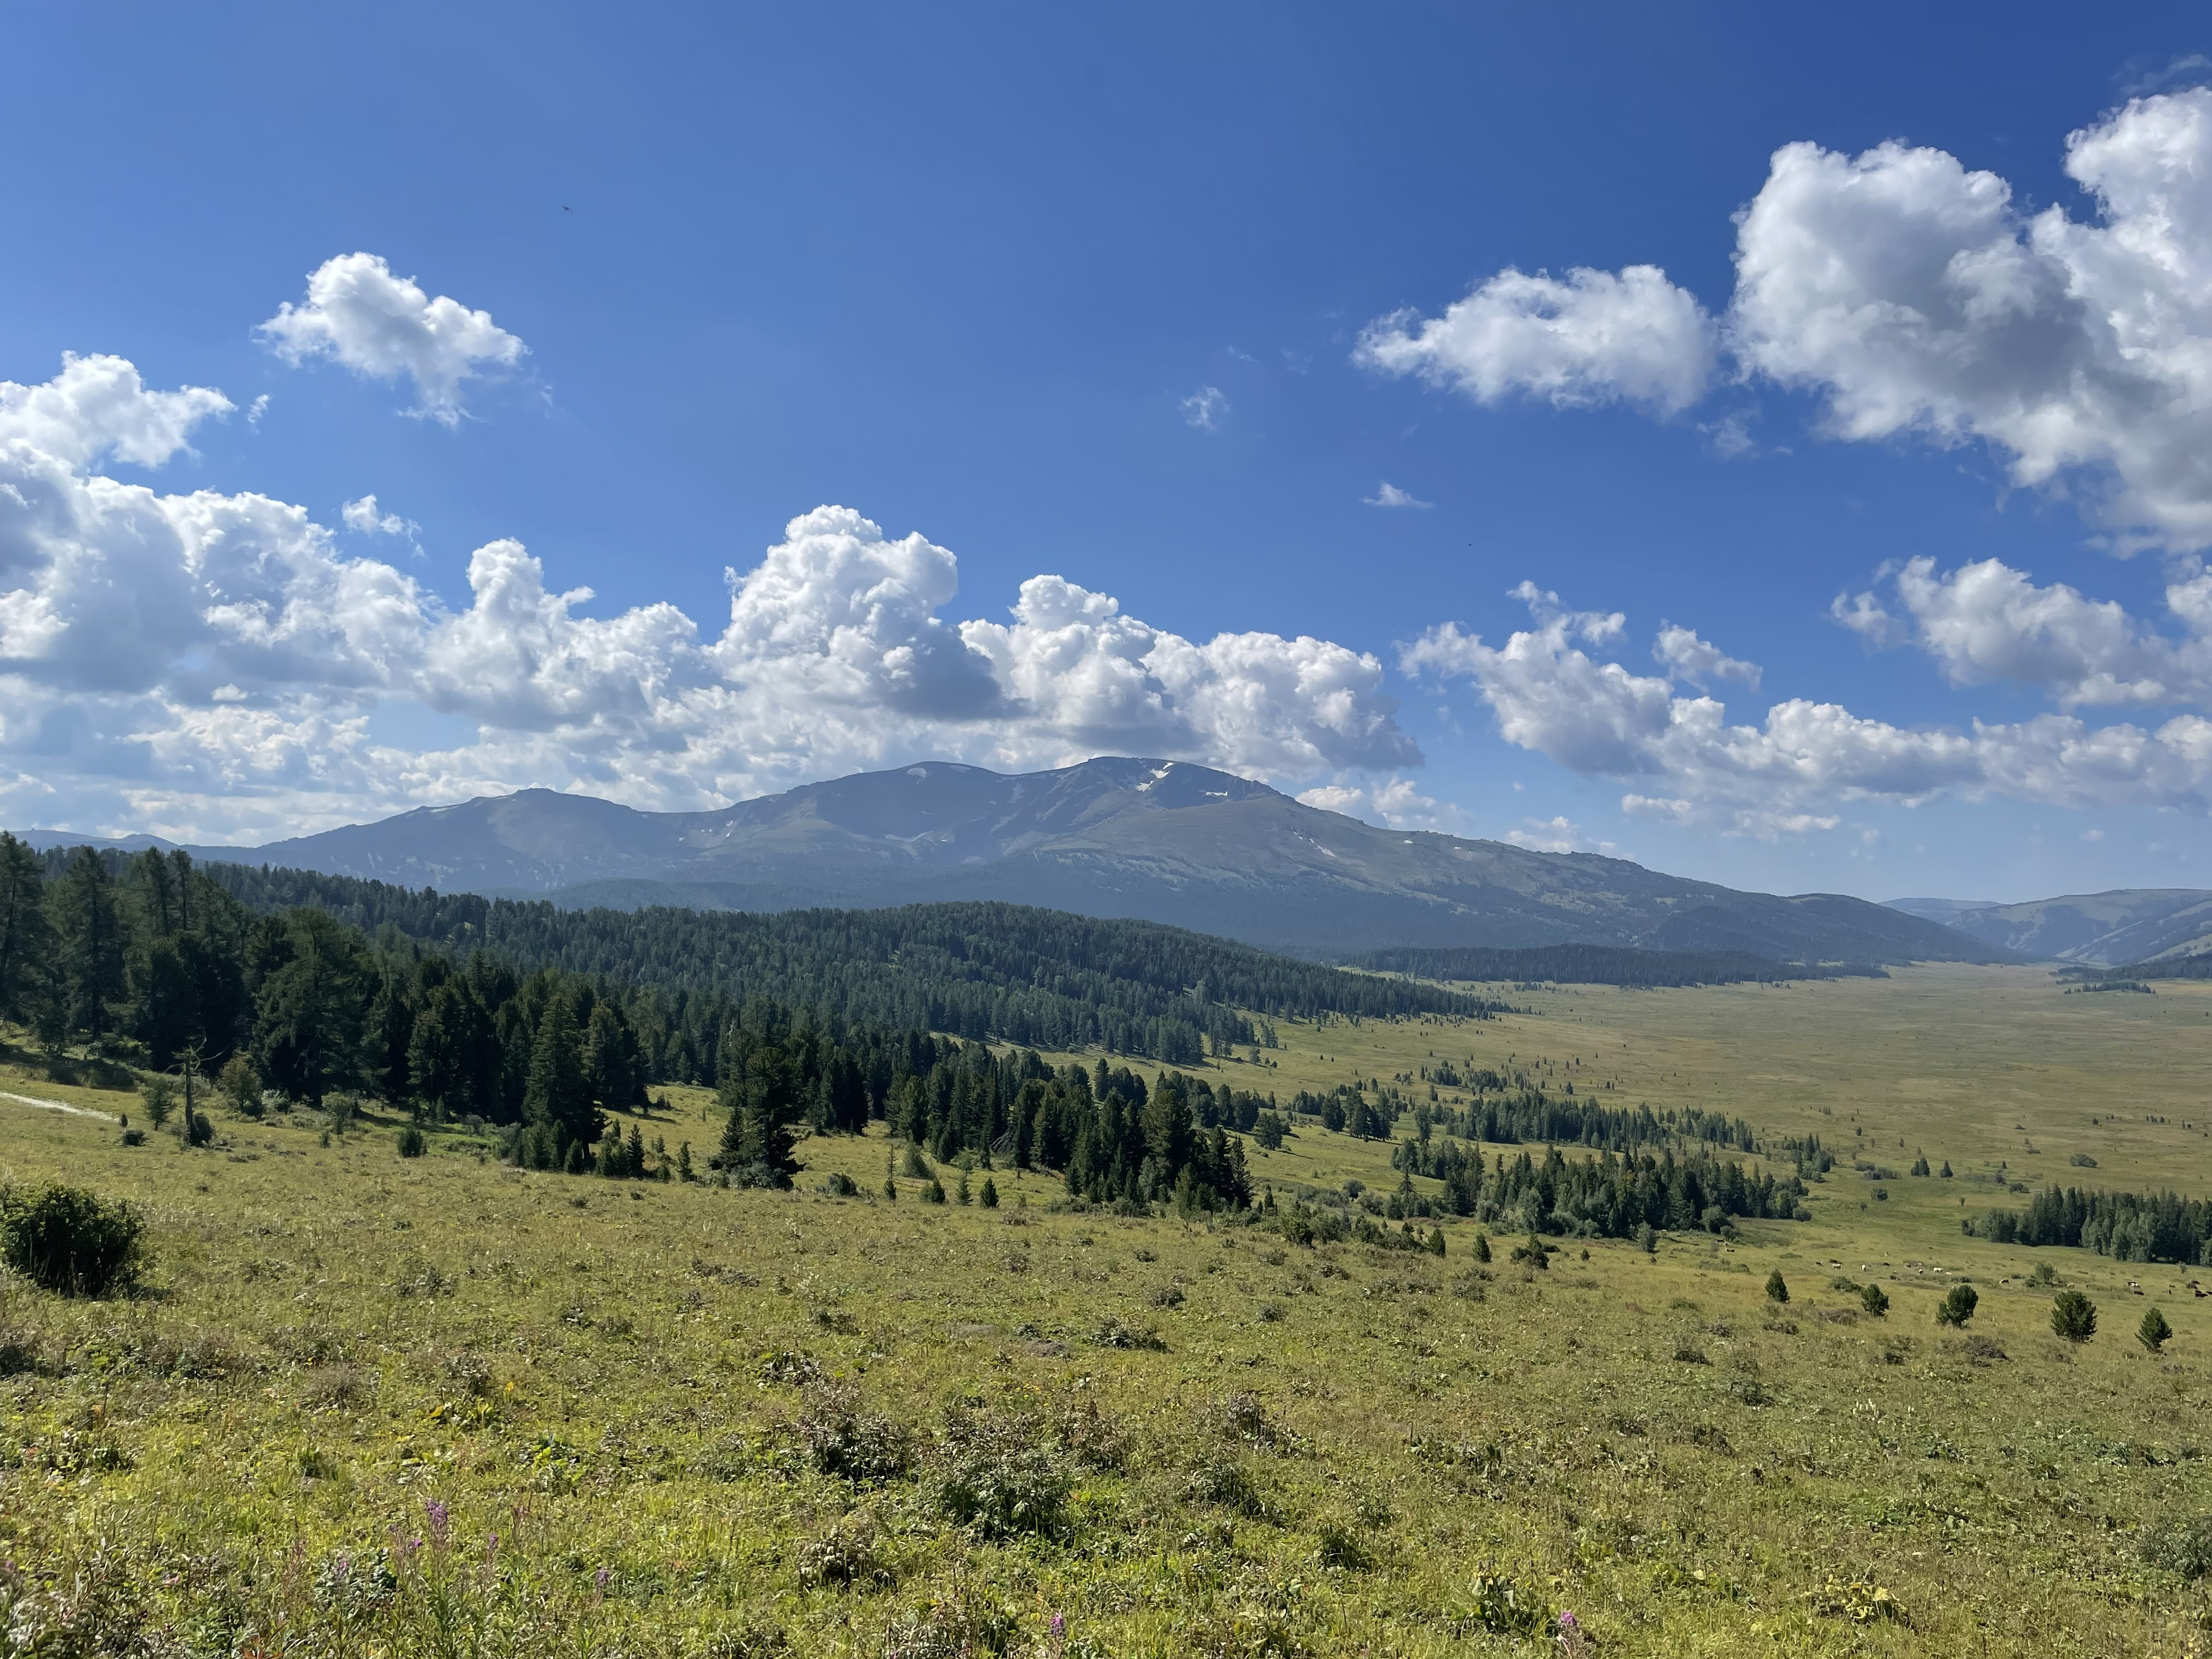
x,y
575,1364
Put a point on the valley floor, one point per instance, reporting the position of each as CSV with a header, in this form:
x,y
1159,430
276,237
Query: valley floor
x,y
436,1405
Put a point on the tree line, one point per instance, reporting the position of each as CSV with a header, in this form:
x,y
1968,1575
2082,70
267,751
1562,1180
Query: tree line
x,y
982,970
1608,1196
1600,964
2127,1226
153,958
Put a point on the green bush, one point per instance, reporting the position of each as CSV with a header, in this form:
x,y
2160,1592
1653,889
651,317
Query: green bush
x,y
2154,1332
1874,1300
2073,1316
2182,1544
1958,1307
1777,1288
1000,1476
71,1241
411,1143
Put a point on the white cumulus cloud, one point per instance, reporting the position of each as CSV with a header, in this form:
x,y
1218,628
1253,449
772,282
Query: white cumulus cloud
x,y
1685,762
1687,657
1914,297
1987,623
359,314
209,664
365,518
98,407
1595,336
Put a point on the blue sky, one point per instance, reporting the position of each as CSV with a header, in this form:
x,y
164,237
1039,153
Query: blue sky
x,y
1105,296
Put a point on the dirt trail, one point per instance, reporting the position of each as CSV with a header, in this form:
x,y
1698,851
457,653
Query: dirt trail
x,y
56,1106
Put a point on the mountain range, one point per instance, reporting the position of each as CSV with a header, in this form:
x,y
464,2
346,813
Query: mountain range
x,y
2113,929
1162,841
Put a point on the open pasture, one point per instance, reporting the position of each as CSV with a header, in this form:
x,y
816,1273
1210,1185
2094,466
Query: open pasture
x,y
438,1406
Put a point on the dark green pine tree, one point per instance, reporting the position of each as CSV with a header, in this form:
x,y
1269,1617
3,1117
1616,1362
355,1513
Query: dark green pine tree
x,y
26,934
391,1035
1167,1128
761,1100
556,1098
611,1059
92,959
307,1035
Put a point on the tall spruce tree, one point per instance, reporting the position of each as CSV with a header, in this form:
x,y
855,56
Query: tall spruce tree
x,y
27,934
93,944
308,1031
558,1094
762,1098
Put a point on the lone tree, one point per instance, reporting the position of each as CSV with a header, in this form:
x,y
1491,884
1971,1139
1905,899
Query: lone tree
x,y
1959,1306
1777,1288
1874,1300
2154,1331
2073,1316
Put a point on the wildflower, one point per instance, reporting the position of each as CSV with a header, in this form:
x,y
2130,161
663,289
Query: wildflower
x,y
438,1522
599,1580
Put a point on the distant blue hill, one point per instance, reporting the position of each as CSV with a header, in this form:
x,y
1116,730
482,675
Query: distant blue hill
x,y
1157,840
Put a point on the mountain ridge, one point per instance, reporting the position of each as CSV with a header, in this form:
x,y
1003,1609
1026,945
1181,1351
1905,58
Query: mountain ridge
x,y
1116,836
2118,926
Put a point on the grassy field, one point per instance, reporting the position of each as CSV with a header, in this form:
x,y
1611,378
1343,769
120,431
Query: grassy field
x,y
366,1405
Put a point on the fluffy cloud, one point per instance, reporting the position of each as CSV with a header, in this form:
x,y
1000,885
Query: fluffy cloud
x,y
1396,803
1598,336
209,664
365,517
1556,834
98,407
1912,297
1988,623
1685,762
1687,657
359,314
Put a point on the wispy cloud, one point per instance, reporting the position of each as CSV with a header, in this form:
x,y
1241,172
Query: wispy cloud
x,y
1206,408
1389,495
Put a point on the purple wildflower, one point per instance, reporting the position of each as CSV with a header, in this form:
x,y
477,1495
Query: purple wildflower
x,y
438,1520
599,1579
1059,1625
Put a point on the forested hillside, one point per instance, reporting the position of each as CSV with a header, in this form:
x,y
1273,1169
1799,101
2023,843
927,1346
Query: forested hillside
x,y
270,984
1601,964
983,970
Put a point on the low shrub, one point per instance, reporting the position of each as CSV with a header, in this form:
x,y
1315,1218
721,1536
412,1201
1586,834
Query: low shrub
x,y
411,1142
999,1476
846,1442
844,1556
1113,1334
1225,1483
2180,1543
70,1241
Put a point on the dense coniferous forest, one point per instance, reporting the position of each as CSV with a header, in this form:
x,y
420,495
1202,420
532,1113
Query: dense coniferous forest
x,y
1002,972
2128,1226
1601,964
274,988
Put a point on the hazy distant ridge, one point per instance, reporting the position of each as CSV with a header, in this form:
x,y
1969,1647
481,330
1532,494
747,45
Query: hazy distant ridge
x,y
1153,840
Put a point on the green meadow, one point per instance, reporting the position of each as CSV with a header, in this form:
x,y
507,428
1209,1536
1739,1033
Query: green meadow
x,y
369,1405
